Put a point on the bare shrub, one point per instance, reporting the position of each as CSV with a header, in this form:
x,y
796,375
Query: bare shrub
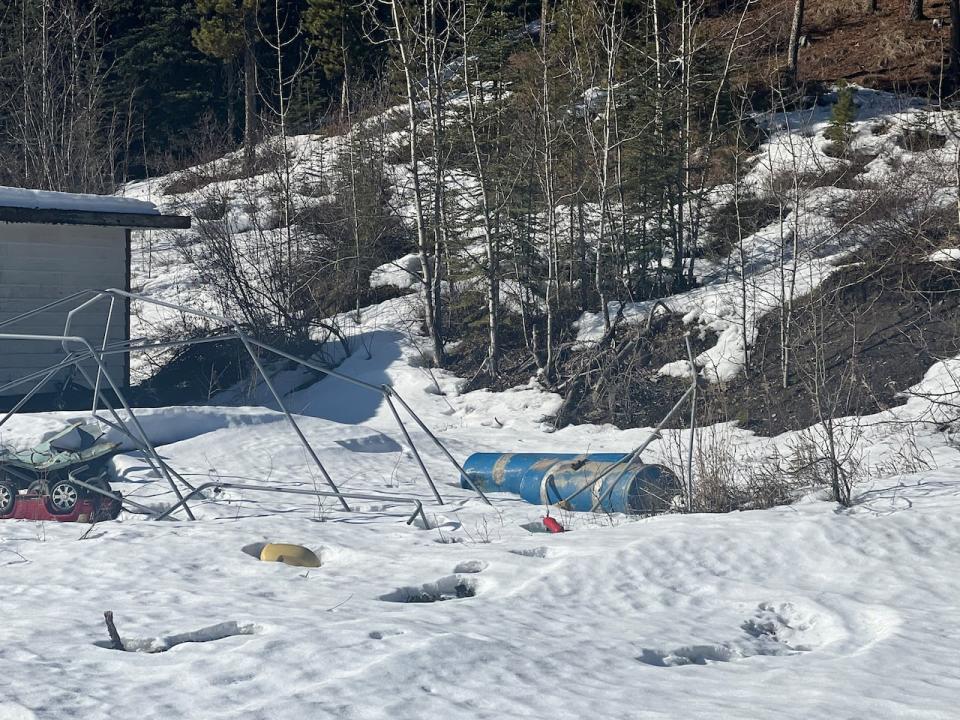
x,y
717,483
728,478
828,455
907,457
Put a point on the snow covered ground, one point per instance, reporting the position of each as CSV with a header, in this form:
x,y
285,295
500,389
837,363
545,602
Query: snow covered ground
x,y
799,611
803,611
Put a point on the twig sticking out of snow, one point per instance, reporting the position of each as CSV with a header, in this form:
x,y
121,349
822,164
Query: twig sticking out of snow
x,y
116,642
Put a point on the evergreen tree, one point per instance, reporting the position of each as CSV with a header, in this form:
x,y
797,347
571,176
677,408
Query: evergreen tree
x,y
159,82
227,32
842,117
336,31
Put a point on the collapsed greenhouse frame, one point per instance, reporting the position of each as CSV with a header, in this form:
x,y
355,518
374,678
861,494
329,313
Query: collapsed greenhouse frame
x,y
131,427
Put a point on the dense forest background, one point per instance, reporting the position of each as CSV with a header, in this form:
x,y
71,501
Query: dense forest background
x,y
95,92
521,166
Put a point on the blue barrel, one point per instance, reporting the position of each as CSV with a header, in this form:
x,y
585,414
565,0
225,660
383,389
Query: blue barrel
x,y
551,478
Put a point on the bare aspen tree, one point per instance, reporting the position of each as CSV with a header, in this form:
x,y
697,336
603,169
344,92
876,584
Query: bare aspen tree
x,y
686,74
610,34
401,31
279,38
472,84
954,66
791,202
546,171
796,26
54,105
346,111
439,21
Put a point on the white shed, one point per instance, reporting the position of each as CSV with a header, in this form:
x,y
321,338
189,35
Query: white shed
x,y
55,244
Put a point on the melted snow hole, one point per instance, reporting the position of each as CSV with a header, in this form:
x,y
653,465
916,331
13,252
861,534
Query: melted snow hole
x,y
210,633
451,587
772,630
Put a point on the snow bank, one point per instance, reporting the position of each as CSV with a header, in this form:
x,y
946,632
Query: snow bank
x,y
403,273
945,255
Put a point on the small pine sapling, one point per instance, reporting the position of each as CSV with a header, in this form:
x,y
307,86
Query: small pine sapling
x,y
844,113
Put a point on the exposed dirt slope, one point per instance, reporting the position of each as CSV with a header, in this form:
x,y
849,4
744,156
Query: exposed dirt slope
x,y
882,50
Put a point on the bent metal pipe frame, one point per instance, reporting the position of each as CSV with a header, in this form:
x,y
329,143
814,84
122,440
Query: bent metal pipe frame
x,y
200,489
74,358
150,450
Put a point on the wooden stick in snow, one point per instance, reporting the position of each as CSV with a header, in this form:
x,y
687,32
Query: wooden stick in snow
x,y
115,642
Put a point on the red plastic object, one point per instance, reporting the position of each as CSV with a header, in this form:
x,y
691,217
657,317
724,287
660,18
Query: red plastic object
x,y
34,507
552,525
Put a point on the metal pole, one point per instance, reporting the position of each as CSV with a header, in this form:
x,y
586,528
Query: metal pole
x,y
420,423
148,458
106,335
68,323
692,390
146,445
114,348
634,454
293,423
40,373
48,306
630,457
113,496
300,491
252,341
413,448
125,346
315,366
33,391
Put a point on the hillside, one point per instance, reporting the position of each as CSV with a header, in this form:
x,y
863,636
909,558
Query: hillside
x,y
586,239
842,41
843,213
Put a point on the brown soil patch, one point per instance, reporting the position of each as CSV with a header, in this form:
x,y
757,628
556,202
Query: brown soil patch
x,y
881,50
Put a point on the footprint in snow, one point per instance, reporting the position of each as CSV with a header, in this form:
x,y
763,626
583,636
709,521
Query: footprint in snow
x,y
471,566
384,634
537,552
771,630
451,587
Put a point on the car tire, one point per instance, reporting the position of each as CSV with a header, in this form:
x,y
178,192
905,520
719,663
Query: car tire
x,y
8,497
63,499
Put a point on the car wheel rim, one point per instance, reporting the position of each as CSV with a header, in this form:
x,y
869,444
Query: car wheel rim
x,y
6,497
63,497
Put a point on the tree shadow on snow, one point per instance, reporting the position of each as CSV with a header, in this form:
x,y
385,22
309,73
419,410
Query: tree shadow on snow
x,y
341,401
